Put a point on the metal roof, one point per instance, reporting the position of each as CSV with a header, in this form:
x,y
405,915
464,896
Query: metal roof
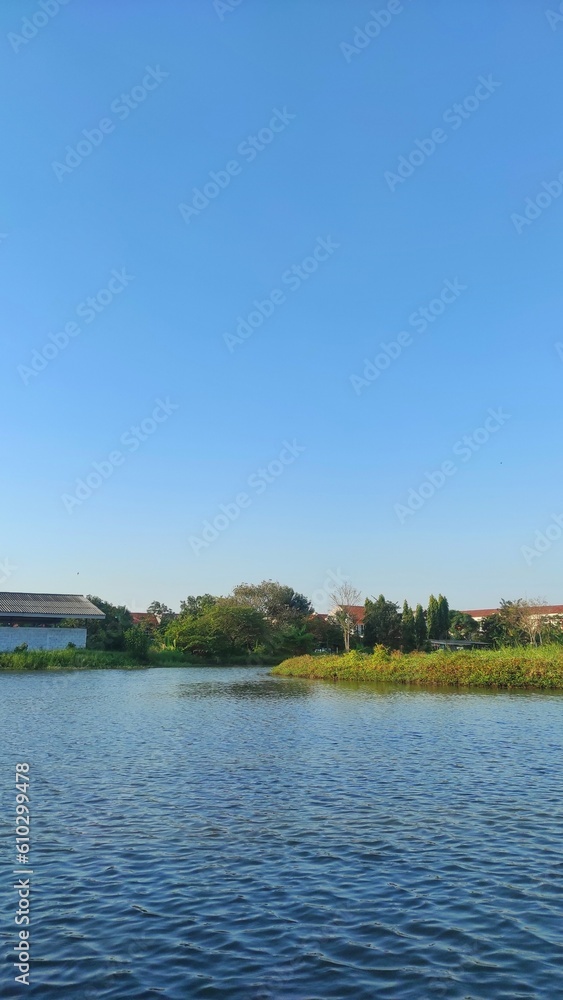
x,y
47,606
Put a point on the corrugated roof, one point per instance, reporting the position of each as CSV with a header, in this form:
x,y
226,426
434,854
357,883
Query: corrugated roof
x,y
48,606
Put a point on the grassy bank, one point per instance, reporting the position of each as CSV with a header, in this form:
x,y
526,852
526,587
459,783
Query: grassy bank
x,y
65,659
521,667
94,659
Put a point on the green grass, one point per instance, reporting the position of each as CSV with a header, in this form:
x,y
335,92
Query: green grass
x,y
94,659
65,659
514,667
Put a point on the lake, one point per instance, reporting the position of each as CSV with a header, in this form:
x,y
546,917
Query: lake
x,y
219,833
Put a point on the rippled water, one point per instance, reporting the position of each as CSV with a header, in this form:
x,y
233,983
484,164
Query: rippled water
x,y
218,833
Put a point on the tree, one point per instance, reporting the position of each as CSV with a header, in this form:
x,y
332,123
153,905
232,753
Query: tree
x,y
433,618
137,642
382,623
326,632
195,606
160,611
420,627
443,617
463,626
522,620
344,598
278,603
494,632
408,629
222,629
108,633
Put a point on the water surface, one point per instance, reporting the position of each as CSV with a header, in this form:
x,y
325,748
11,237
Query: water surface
x,y
219,833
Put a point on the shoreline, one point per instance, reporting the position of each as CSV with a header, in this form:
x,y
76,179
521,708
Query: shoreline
x,y
509,668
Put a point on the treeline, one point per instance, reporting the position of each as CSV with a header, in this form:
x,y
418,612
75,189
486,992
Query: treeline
x,y
516,623
269,622
265,621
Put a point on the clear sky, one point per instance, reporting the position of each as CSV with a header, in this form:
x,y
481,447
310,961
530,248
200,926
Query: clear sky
x,y
115,115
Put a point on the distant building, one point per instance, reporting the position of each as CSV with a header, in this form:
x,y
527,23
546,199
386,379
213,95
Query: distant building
x,y
356,613
458,643
34,620
547,611
144,618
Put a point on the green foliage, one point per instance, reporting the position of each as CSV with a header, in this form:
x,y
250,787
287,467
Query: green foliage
x,y
326,632
196,606
159,610
420,627
108,634
463,626
382,623
281,605
64,659
527,667
137,643
22,648
222,629
408,630
443,617
433,618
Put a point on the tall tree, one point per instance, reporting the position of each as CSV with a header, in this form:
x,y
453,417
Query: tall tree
x,y
345,597
433,618
382,623
443,617
420,627
408,629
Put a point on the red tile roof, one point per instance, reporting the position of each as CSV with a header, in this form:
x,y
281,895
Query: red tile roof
x,y
356,611
548,609
142,617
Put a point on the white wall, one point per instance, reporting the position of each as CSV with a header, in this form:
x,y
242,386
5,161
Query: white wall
x,y
40,638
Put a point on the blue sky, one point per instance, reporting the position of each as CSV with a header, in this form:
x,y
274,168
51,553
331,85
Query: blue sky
x,y
345,105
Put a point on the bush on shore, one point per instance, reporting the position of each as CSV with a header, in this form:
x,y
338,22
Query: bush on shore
x,y
138,655
509,667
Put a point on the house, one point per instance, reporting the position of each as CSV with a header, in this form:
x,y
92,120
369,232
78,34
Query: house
x,y
34,620
356,613
144,618
544,611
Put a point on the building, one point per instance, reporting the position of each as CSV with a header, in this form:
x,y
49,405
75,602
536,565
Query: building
x,y
356,612
144,618
457,644
544,611
34,620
